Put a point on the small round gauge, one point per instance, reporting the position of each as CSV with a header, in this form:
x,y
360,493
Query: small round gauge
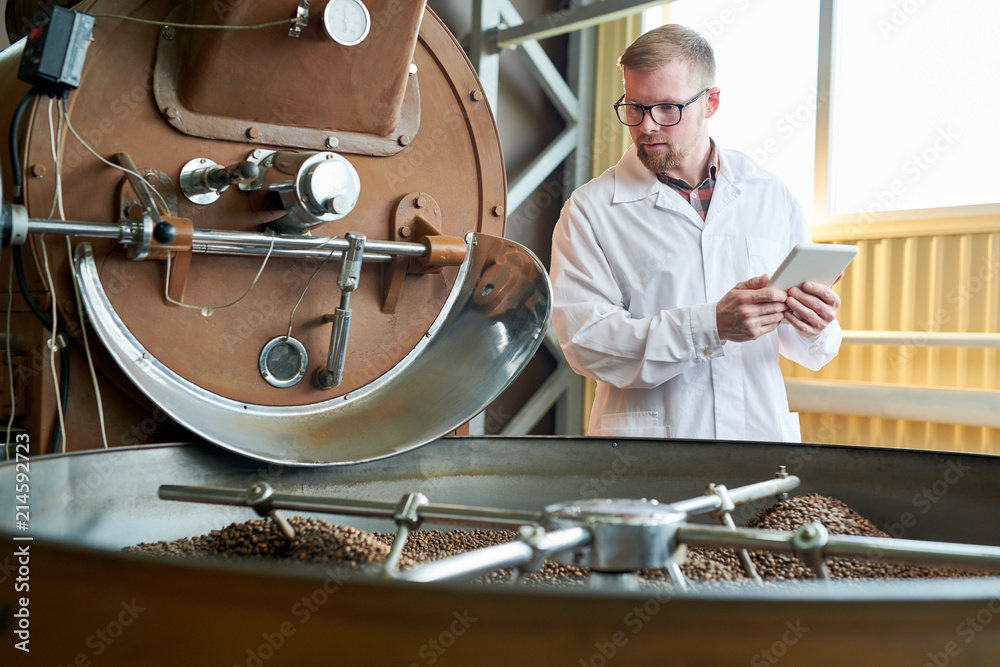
x,y
347,22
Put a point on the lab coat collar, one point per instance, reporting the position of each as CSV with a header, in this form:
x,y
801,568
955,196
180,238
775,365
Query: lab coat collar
x,y
634,182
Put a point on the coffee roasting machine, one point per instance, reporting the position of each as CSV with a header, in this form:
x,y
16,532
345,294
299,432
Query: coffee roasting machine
x,y
257,266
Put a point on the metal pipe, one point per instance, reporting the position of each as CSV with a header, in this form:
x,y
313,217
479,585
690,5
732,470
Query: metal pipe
x,y
101,230
511,554
922,338
712,502
296,253
219,242
845,546
471,563
459,515
893,401
324,244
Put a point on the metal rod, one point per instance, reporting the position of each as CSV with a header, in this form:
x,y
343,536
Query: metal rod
x,y
922,338
511,554
459,515
971,407
325,244
102,230
217,242
396,550
846,546
471,563
711,503
255,251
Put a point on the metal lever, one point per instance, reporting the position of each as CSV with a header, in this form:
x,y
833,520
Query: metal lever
x,y
350,273
202,180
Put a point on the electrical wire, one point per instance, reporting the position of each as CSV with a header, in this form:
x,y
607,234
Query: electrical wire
x,y
54,340
63,117
306,289
196,25
208,310
18,263
10,363
83,143
15,160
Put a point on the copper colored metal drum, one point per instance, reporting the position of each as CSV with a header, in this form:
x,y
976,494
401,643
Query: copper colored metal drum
x,y
404,107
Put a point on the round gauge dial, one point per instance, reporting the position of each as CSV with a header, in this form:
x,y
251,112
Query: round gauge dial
x,y
347,22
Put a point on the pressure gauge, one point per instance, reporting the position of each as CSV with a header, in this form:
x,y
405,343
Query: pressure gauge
x,y
347,22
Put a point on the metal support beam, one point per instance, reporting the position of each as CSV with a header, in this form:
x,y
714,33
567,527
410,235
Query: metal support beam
x,y
569,20
561,382
539,168
545,72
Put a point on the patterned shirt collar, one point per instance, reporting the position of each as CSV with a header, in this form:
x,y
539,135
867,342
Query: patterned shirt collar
x,y
699,197
713,172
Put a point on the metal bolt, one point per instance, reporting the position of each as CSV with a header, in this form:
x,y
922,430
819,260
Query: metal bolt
x,y
404,140
340,205
169,32
476,95
151,177
253,133
404,232
332,142
38,170
419,202
170,112
69,306
498,210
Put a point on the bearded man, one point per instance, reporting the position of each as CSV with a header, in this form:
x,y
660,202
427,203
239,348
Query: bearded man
x,y
660,266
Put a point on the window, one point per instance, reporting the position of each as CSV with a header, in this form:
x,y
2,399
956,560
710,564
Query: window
x,y
768,99
913,102
915,105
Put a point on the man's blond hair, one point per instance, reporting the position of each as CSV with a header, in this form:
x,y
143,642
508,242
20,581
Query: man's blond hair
x,y
667,43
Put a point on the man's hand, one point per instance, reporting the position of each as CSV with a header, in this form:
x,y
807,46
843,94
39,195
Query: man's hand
x,y
815,305
750,310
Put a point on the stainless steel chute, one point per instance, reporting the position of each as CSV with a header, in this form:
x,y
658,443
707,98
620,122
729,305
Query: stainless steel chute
x,y
492,321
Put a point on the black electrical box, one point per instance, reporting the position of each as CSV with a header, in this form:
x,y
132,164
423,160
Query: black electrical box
x,y
55,51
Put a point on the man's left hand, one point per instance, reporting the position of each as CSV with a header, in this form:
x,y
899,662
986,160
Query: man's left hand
x,y
816,306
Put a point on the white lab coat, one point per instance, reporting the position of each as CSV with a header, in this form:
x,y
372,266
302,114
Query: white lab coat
x,y
636,277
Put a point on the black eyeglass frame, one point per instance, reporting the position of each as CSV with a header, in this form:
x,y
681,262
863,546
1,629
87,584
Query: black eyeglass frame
x,y
649,109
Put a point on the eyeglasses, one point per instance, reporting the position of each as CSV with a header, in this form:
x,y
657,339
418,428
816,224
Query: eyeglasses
x,y
662,114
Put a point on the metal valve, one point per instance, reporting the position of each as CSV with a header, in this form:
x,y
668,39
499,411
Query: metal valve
x,y
313,188
203,181
350,273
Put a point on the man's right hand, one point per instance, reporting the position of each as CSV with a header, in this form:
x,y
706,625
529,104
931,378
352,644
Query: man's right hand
x,y
750,310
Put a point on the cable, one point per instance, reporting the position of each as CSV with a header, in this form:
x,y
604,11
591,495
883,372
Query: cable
x,y
53,341
10,363
76,287
306,289
15,160
208,310
196,25
18,267
76,284
83,143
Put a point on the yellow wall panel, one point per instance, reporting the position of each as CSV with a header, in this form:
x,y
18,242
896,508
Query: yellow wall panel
x,y
943,279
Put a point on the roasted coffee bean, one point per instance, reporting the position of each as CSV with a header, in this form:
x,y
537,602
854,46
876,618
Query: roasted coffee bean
x,y
317,541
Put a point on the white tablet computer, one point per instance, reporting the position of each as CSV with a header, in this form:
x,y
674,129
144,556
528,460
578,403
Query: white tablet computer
x,y
815,262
